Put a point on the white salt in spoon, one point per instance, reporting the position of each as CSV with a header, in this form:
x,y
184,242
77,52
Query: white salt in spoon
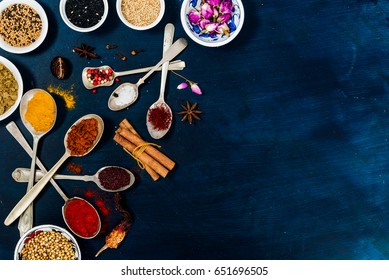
x,y
127,93
29,197
160,103
22,174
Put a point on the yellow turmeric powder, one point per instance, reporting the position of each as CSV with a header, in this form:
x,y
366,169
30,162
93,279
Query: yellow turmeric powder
x,y
67,95
41,111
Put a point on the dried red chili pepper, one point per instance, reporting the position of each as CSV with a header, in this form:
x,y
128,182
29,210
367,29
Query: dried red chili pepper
x,y
116,236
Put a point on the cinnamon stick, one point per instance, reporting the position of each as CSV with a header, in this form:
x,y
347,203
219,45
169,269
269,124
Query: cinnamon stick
x,y
147,160
153,152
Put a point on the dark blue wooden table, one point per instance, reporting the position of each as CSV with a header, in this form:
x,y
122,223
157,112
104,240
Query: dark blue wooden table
x,y
289,161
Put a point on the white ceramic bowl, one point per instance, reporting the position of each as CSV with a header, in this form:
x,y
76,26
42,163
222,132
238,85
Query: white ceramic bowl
x,y
44,228
45,26
62,11
214,40
19,80
136,27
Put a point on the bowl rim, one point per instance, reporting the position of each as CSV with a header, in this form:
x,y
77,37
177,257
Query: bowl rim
x,y
140,28
45,26
7,63
189,32
47,227
82,29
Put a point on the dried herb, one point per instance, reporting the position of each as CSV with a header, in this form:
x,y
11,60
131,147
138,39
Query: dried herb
x,y
85,51
190,112
117,235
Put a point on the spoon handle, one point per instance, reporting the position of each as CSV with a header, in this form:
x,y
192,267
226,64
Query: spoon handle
x,y
17,134
26,219
167,42
174,65
29,197
172,52
21,175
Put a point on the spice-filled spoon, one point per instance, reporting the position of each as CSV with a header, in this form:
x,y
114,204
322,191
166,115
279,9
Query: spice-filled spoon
x,y
159,115
38,112
127,93
94,77
16,133
108,178
88,130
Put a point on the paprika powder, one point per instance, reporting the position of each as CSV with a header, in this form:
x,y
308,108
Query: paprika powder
x,y
82,136
82,218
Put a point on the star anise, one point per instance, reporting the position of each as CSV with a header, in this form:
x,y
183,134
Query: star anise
x,y
85,51
190,112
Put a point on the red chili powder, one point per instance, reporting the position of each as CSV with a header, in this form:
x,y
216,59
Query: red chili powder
x,y
74,167
103,207
81,217
160,117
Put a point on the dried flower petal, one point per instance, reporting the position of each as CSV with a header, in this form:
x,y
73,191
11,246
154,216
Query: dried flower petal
x,y
224,18
206,10
182,85
195,88
211,27
214,2
223,29
194,17
226,7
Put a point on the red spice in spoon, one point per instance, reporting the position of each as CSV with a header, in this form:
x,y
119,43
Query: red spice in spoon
x,y
81,218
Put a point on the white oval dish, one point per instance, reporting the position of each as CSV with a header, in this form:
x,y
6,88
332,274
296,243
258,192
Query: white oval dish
x,y
235,24
35,230
45,26
62,11
19,80
136,27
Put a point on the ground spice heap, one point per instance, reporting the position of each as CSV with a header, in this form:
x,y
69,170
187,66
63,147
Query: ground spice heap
x,y
67,95
20,25
82,136
114,178
48,245
84,13
8,89
141,12
41,111
82,218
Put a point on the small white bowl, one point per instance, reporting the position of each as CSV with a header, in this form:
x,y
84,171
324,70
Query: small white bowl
x,y
45,26
137,27
194,32
46,228
62,11
19,80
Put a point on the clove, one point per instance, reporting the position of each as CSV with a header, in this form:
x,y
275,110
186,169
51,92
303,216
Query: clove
x,y
109,47
135,52
122,57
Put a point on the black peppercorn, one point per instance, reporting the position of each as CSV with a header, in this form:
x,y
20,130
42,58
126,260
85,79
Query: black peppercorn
x,y
84,13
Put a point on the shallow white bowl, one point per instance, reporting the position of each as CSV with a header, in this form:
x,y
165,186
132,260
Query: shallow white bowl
x,y
211,41
45,26
136,27
32,232
80,29
19,80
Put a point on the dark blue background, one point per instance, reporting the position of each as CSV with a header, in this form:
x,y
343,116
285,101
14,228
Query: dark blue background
x,y
289,161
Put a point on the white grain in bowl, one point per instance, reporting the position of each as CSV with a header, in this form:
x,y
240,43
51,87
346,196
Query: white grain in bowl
x,y
140,14
5,93
33,31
